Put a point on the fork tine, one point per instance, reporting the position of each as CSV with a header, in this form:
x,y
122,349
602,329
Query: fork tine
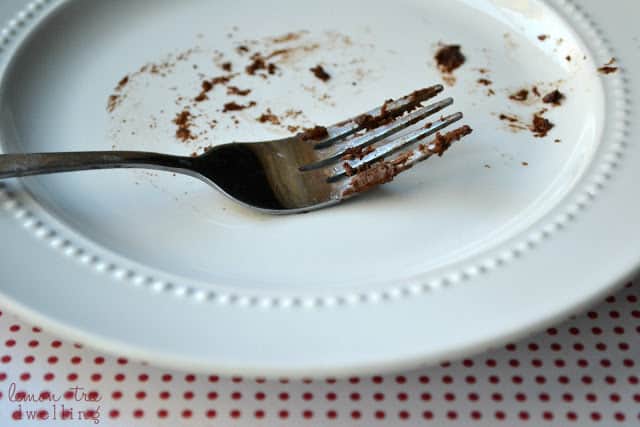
x,y
380,133
392,147
389,110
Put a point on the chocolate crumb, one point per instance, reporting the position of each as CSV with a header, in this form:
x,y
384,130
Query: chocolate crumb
x,y
320,73
234,90
509,118
535,91
557,141
449,58
525,164
242,49
122,83
233,106
293,129
112,103
485,82
556,97
257,64
272,68
441,143
608,68
490,92
543,37
269,117
540,126
315,133
183,121
227,66
568,58
348,170
520,96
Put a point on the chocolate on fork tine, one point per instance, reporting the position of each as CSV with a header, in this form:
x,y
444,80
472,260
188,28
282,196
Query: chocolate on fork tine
x,y
340,131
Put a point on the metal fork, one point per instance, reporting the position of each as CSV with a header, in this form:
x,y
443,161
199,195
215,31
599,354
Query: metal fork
x,y
312,170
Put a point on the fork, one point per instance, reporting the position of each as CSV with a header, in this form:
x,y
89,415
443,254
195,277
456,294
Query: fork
x,y
314,169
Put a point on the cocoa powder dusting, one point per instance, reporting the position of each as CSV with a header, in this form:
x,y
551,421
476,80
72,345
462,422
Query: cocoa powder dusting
x,y
320,73
269,117
183,121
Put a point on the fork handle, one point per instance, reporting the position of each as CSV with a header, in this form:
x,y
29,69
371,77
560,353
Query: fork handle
x,y
19,165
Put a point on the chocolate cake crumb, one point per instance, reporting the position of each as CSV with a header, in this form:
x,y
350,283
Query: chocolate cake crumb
x,y
485,82
520,96
449,58
122,83
525,164
568,58
556,97
112,103
535,91
242,49
320,73
227,66
543,37
183,121
272,68
257,64
540,126
509,118
234,90
348,170
286,38
490,92
293,129
315,133
441,143
269,117
233,106
208,85
608,67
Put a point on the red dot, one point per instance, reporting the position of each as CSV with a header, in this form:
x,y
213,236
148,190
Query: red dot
x,y
72,376
476,415
567,397
595,416
356,415
3,376
283,414
601,346
559,363
523,415
353,396
331,380
331,396
491,363
164,395
76,360
306,396
138,413
427,415
614,397
552,331
425,396
331,414
636,398
236,380
572,416
166,378
122,361
586,379
578,346
618,330
610,380
96,377
119,377
610,299
259,414
163,413
632,379
354,380
378,396
467,363
6,358
521,397
187,413
632,298
213,378
555,346
114,413
29,359
116,395
307,414
619,416
470,379
591,397
510,347
540,379
628,363
307,380
450,397
452,415
596,330
380,415
536,363
261,380
544,397
516,379
563,379
605,363
592,315
400,379
49,376
493,379
496,397
533,347
500,415
574,331
548,416
514,363
377,380
403,397
14,328
212,395
235,413
424,379
583,363
188,395
447,379
445,364
404,415
236,395
623,346
143,378
636,314
10,343
33,343
140,395
473,397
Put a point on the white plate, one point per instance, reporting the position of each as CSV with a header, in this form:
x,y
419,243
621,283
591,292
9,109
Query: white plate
x,y
452,257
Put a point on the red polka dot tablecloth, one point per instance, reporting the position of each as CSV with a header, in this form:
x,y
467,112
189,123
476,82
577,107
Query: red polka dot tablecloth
x,y
583,372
